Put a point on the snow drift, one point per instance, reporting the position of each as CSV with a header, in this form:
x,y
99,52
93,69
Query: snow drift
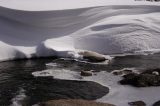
x,y
108,29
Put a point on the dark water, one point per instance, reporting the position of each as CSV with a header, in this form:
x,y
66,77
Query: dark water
x,y
18,86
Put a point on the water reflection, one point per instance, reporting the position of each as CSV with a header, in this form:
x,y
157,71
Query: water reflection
x,y
19,87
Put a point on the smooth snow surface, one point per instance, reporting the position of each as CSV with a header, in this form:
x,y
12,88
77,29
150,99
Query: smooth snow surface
x,y
41,5
36,28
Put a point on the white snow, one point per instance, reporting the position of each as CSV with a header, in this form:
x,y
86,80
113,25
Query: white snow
x,y
58,74
40,28
40,5
36,28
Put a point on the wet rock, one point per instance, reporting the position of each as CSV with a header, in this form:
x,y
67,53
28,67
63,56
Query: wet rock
x,y
86,73
141,80
137,103
75,102
92,56
156,103
149,77
129,79
122,72
117,72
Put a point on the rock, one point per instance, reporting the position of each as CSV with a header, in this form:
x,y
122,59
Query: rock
x,y
92,56
156,103
137,103
141,80
75,102
155,73
149,77
117,72
86,73
129,79
127,71
122,72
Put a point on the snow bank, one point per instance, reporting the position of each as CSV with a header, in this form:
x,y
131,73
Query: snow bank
x,y
126,32
41,5
27,32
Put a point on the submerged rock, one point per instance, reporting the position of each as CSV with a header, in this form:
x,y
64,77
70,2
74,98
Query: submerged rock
x,y
75,102
86,73
137,103
144,79
92,56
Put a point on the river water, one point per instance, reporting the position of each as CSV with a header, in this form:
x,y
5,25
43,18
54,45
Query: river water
x,y
18,87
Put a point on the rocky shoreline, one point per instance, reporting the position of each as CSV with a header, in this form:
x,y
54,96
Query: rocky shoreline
x,y
149,77
139,78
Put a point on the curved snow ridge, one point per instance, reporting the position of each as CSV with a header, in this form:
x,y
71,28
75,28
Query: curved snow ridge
x,y
40,5
121,34
107,30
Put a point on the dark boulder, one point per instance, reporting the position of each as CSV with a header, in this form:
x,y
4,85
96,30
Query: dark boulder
x,y
156,103
86,73
141,80
137,103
